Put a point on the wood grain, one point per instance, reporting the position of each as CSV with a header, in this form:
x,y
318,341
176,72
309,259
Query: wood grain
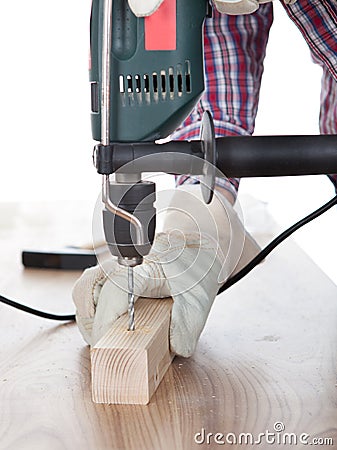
x,y
127,366
268,354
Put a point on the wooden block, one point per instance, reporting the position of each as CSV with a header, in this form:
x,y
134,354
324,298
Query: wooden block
x,y
127,366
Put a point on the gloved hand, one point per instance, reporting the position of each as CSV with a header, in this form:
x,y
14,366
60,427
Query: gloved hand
x,y
236,7
201,246
142,8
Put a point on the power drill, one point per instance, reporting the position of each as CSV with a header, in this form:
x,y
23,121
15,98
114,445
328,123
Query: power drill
x,y
146,76
142,88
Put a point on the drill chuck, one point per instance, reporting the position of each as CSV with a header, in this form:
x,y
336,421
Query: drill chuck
x,y
137,199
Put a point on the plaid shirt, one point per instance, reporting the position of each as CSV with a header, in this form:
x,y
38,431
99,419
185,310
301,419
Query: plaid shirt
x,y
235,48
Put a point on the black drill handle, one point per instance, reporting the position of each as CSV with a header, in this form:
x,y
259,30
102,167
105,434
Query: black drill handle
x,y
269,156
237,156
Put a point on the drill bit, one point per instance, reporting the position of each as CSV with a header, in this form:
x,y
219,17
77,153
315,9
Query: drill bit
x,y
131,300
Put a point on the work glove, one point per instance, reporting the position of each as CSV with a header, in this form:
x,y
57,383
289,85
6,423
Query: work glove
x,y
142,8
236,7
199,248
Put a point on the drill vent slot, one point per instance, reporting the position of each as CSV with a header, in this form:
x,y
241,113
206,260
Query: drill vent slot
x,y
129,84
188,76
162,85
146,84
155,82
180,83
121,84
94,98
171,78
138,85
163,82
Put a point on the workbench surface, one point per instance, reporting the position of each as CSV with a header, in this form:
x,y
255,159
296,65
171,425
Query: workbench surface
x,y
267,358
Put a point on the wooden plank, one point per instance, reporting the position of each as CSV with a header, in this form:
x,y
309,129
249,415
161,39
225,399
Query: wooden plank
x,y
127,366
268,354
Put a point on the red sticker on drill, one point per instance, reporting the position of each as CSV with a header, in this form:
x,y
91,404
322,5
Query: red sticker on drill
x,y
161,27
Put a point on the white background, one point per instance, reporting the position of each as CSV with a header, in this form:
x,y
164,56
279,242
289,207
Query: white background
x,y
45,131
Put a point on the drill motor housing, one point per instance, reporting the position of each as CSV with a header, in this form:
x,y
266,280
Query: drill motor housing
x,y
155,78
157,74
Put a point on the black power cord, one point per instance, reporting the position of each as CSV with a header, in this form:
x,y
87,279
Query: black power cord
x,y
36,312
274,243
237,277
